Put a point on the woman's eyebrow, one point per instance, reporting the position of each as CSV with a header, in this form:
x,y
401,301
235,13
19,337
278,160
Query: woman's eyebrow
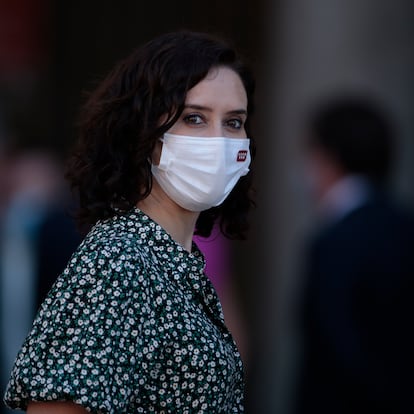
x,y
198,107
238,112
208,109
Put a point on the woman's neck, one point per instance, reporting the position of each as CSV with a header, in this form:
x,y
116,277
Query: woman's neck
x,y
178,222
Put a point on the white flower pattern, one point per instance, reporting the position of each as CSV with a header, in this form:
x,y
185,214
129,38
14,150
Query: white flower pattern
x,y
132,325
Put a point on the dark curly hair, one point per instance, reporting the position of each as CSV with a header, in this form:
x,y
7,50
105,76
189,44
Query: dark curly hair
x,y
109,169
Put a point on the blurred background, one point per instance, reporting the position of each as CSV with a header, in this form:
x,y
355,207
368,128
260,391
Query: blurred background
x,y
52,52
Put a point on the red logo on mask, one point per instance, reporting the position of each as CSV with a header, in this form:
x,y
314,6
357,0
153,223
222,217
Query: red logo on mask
x,y
241,156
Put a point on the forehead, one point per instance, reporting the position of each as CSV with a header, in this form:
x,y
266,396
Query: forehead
x,y
221,86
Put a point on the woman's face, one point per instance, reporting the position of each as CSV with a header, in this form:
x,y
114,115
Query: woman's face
x,y
215,107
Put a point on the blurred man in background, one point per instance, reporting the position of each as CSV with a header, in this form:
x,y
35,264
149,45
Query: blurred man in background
x,y
359,291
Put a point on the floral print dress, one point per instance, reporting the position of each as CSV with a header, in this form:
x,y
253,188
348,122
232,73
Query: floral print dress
x,y
132,325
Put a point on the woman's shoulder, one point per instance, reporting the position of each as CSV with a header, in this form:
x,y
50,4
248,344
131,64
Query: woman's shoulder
x,y
117,238
112,268
109,253
109,274
88,327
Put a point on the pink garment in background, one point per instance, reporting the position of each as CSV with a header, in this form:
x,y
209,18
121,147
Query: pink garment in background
x,y
216,251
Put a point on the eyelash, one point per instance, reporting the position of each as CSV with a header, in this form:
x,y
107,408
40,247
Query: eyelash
x,y
189,119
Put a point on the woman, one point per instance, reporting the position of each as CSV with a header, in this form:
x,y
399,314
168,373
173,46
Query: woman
x,y
133,325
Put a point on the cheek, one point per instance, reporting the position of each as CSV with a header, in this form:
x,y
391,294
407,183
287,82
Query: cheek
x,y
243,132
182,128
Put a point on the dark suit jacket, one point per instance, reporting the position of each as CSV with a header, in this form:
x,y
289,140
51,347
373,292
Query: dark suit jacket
x,y
57,239
358,315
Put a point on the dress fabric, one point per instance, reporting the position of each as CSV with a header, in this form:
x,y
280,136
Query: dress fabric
x,y
132,325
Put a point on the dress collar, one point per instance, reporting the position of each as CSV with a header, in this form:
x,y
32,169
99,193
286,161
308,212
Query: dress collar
x,y
155,240
160,241
172,254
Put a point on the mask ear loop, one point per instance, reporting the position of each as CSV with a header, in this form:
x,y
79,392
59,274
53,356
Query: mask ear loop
x,y
149,159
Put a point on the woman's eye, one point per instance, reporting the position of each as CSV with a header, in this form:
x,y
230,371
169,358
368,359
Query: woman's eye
x,y
193,119
235,123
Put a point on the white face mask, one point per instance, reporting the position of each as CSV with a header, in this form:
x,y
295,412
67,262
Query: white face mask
x,y
200,172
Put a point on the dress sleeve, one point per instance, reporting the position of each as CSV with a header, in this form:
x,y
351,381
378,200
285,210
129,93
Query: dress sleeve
x,y
85,342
